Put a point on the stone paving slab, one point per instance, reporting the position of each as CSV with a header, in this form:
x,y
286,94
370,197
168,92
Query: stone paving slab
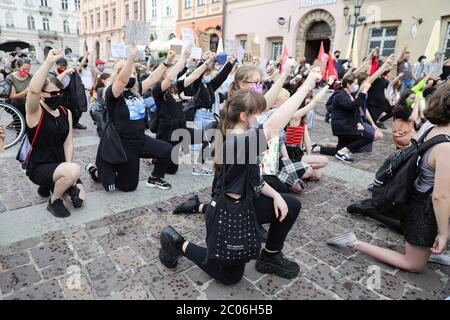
x,y
113,243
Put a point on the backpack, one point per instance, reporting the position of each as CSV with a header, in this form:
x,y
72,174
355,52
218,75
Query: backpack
x,y
99,115
329,103
5,89
394,181
75,93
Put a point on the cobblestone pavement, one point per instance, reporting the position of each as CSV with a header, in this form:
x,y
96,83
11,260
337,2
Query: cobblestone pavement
x,y
116,257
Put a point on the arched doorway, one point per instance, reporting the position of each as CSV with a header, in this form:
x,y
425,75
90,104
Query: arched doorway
x,y
318,32
313,28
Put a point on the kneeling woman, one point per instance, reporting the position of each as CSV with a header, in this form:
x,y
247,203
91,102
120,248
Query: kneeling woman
x,y
280,210
50,162
127,113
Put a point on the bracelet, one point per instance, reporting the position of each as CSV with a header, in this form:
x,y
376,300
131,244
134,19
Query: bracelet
x,y
167,65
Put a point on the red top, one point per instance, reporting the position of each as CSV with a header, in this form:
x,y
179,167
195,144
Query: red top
x,y
295,135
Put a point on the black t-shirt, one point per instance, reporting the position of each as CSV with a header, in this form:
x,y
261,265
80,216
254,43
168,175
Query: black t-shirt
x,y
242,151
169,107
375,96
128,114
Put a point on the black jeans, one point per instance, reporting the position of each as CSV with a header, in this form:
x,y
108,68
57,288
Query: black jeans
x,y
278,232
352,142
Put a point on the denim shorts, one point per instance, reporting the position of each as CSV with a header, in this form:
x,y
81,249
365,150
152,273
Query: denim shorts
x,y
202,119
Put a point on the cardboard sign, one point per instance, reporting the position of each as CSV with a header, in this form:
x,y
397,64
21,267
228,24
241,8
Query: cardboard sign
x,y
240,54
188,37
137,32
176,48
119,51
248,58
230,46
255,49
204,41
196,53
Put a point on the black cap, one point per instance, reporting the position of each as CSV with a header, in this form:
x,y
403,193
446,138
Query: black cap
x,y
61,62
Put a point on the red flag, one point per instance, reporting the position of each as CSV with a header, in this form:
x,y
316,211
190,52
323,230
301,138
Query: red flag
x,y
332,68
375,64
322,57
284,58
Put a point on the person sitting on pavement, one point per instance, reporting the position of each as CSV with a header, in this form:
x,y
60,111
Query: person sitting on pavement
x,y
280,210
50,164
426,224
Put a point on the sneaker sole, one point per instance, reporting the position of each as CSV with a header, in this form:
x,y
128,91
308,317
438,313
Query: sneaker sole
x,y
334,240
149,185
346,161
268,268
201,174
439,261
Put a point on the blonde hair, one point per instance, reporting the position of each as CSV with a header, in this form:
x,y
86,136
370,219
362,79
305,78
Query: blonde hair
x,y
242,74
118,66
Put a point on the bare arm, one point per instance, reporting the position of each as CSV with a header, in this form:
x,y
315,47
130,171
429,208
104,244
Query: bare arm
x,y
82,63
272,95
283,151
36,85
194,76
118,87
283,115
389,62
68,144
310,106
16,96
156,75
176,69
307,141
61,76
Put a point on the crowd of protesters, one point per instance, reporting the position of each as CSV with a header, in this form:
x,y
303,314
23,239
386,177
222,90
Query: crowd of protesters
x,y
243,102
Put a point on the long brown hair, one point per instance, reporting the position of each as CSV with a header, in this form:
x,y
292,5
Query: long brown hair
x,y
243,101
242,74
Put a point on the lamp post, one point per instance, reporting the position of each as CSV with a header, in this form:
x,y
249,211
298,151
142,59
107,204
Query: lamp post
x,y
358,19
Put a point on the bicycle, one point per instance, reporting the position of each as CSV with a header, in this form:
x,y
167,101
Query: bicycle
x,y
14,123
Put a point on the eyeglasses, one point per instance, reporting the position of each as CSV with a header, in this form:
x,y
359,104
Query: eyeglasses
x,y
254,82
53,93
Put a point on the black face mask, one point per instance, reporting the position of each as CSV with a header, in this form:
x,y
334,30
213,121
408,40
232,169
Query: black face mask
x,y
54,102
131,83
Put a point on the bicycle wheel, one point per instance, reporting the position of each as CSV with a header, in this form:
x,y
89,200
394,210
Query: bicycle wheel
x,y
14,123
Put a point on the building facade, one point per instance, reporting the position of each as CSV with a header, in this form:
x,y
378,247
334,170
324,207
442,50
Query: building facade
x,y
162,15
201,15
41,23
421,26
103,23
300,25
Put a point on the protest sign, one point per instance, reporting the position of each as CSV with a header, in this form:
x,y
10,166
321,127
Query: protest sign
x,y
137,32
248,58
176,48
230,46
119,51
204,41
196,53
240,54
188,37
255,49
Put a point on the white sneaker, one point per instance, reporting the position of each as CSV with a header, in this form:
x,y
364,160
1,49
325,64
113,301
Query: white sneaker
x,y
442,258
347,239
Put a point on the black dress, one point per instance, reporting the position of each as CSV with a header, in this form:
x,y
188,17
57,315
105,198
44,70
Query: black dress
x,y
48,149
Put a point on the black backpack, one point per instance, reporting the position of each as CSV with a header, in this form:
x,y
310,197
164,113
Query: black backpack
x,y
75,94
394,181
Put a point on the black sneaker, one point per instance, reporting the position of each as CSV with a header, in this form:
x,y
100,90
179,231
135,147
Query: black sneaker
x,y
74,194
344,157
79,126
58,209
170,240
43,192
190,206
278,264
158,183
92,170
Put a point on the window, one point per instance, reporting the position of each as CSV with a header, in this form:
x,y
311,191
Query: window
x,y
44,3
243,44
136,11
9,20
31,23
106,18
383,38
154,9
66,26
78,28
77,5
92,22
215,1
447,42
169,11
99,22
114,17
127,12
85,23
64,4
45,24
277,49
187,4
201,2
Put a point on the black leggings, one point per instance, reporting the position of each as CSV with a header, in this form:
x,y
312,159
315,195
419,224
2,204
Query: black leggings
x,y
278,232
352,142
127,175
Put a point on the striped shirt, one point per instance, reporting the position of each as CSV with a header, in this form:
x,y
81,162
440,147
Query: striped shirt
x,y
295,135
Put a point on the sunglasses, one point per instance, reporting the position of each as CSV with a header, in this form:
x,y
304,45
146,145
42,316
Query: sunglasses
x,y
53,93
